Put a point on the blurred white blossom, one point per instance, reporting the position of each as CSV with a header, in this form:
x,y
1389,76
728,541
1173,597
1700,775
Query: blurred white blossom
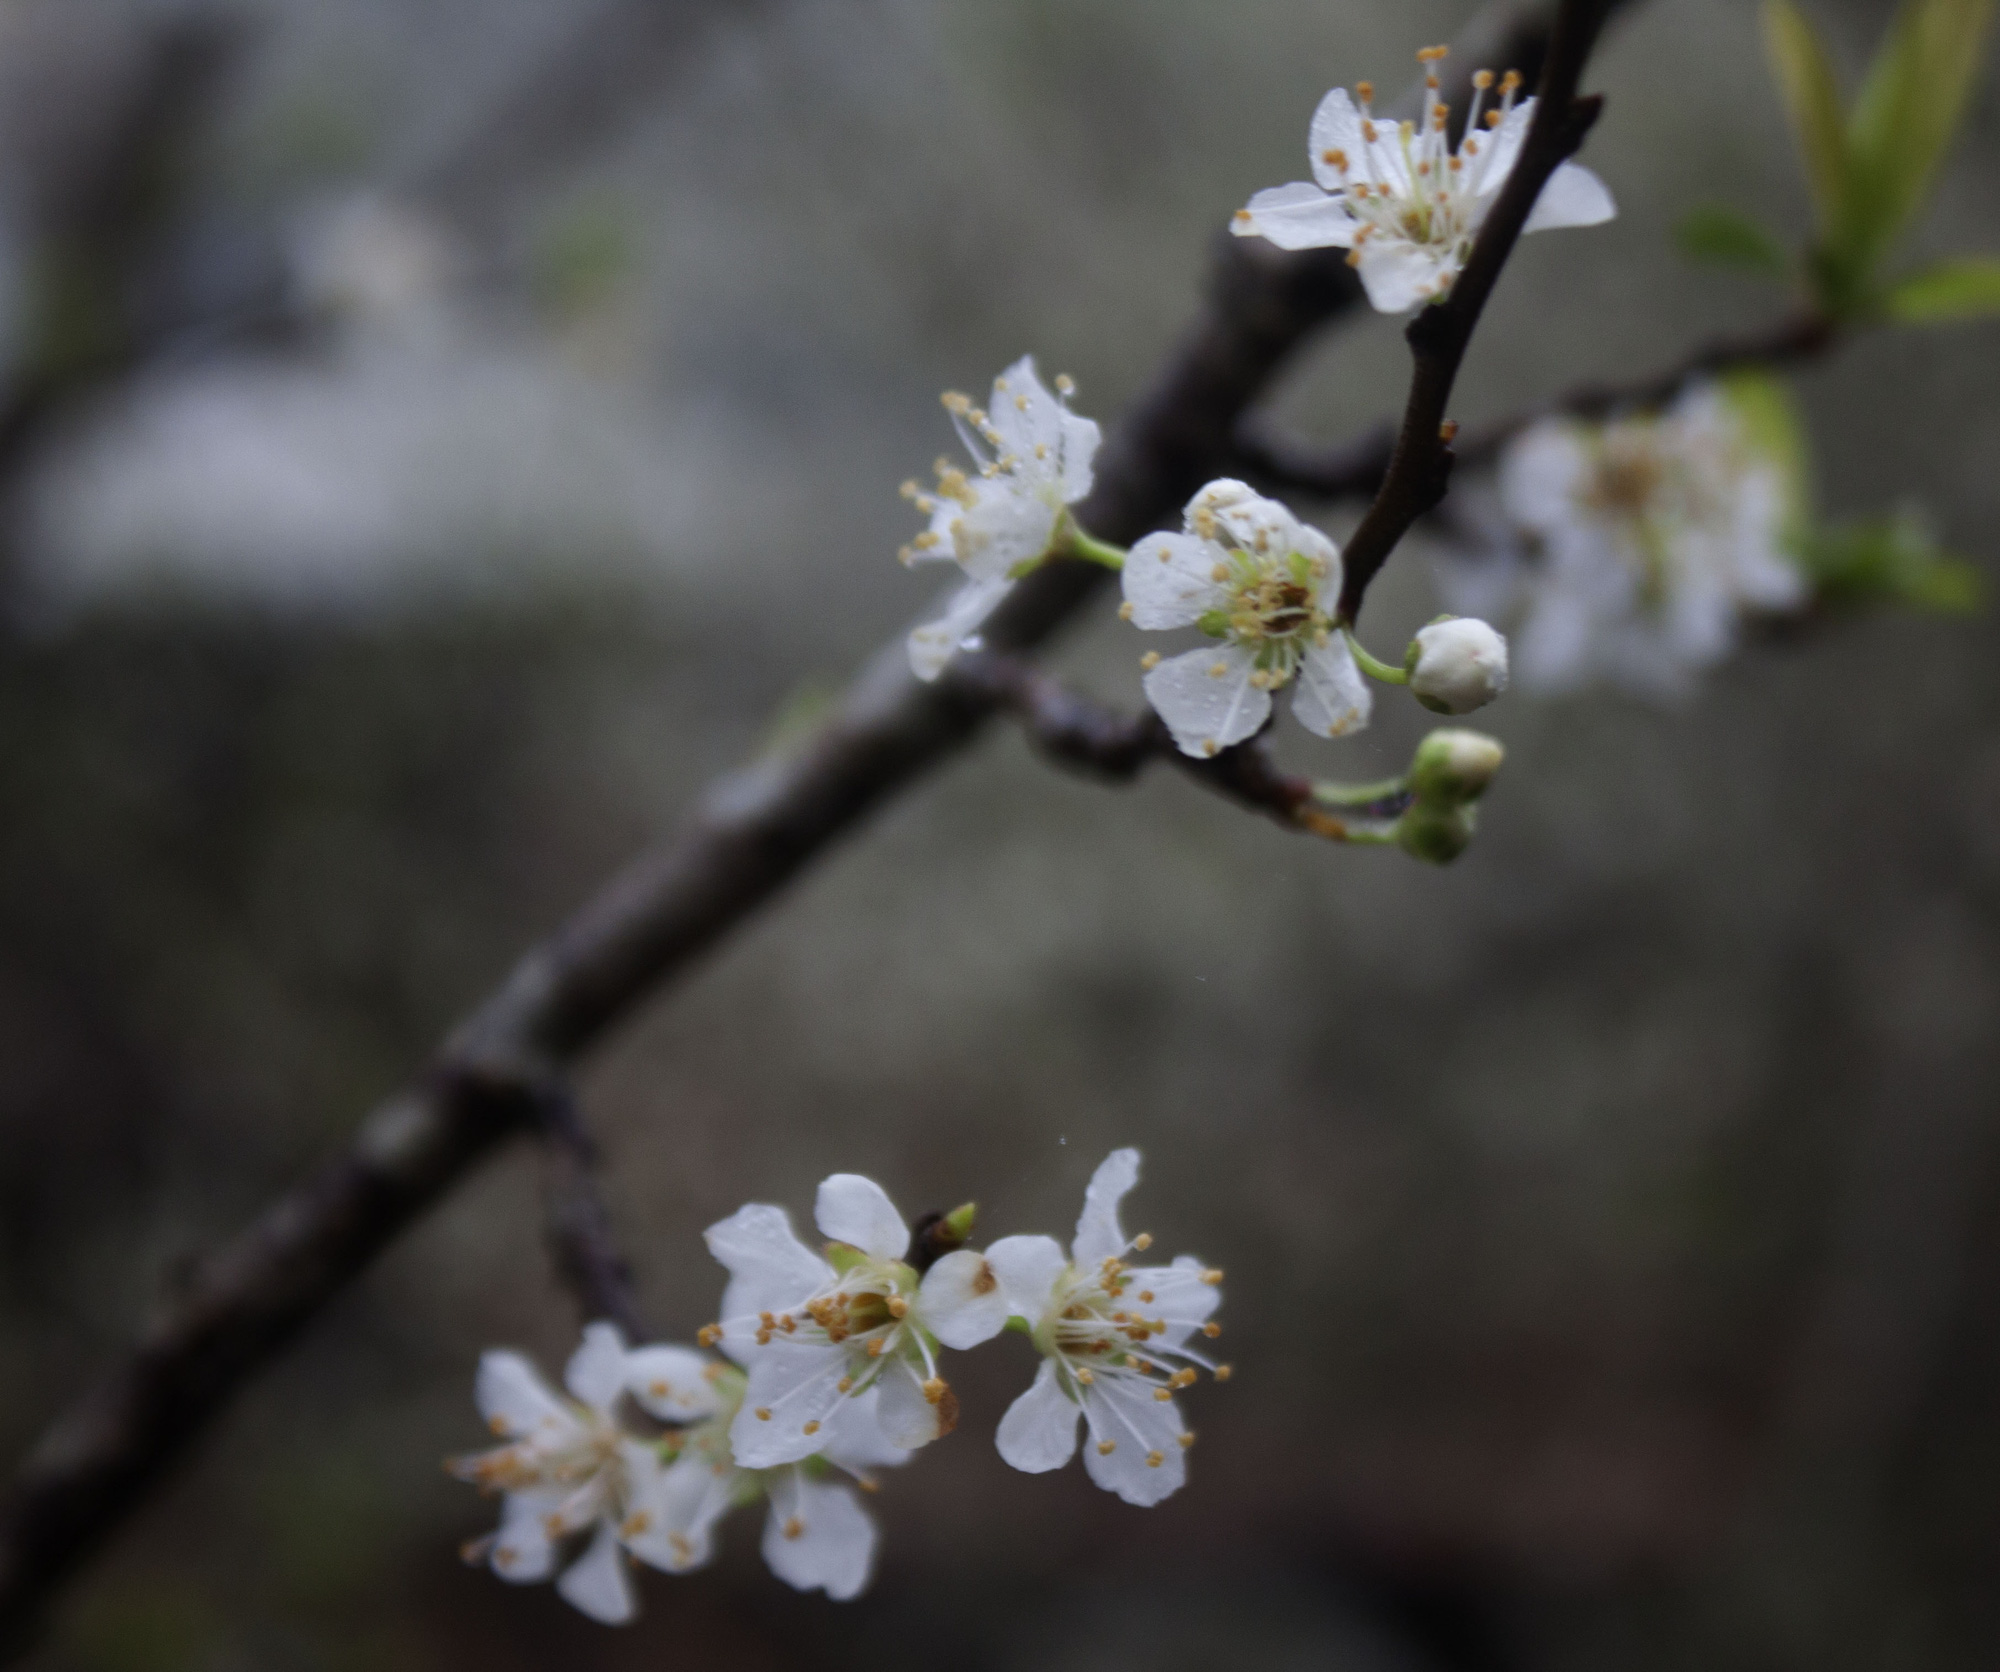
x,y
1402,200
1646,540
1109,1333
816,1332
1031,460
1253,577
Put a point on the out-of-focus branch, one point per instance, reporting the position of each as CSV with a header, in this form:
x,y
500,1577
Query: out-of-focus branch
x,y
1084,735
576,1222
1356,468
743,841
1420,467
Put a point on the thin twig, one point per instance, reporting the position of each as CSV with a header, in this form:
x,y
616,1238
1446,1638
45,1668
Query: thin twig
x,y
1354,469
744,840
1420,468
576,1222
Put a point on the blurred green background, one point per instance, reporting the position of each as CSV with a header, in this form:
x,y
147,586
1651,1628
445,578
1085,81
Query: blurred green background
x,y
456,477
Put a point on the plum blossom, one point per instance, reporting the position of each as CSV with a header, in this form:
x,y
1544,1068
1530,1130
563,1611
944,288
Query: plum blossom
x,y
1032,460
1649,537
817,1332
1457,664
571,1466
1108,1332
1254,578
1405,204
816,1534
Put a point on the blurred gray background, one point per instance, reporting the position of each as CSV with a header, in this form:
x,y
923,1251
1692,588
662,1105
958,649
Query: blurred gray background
x,y
459,472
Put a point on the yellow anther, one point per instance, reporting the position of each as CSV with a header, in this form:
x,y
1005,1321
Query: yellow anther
x,y
1146,1297
846,1384
1065,384
763,1413
683,1550
1219,573
935,1389
1493,118
898,1307
810,1428
1106,1447
1211,1329
794,1528
1150,660
1209,746
1510,82
1482,79
1186,1441
1432,54
1155,1458
1365,92
959,406
1224,1371
1219,671
1163,1394
1143,1241
1086,1376
1125,610
1369,131
1211,1276
635,1524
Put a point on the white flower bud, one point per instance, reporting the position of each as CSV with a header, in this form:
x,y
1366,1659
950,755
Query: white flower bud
x,y
1457,664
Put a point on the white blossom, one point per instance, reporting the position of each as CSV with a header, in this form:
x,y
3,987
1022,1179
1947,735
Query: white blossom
x,y
571,1466
816,1332
1649,538
1402,201
1109,1333
1262,584
1031,460
1460,664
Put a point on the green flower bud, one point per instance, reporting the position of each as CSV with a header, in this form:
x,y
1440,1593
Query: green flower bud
x,y
1436,834
1453,767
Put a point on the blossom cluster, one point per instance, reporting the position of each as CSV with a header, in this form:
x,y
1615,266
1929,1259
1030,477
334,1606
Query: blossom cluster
x,y
829,1367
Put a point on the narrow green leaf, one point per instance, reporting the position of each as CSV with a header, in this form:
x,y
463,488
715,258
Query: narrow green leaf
x,y
1727,238
1889,560
1907,115
1968,288
1812,98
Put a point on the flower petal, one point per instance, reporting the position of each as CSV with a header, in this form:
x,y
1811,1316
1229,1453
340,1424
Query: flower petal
x,y
934,644
1176,1295
1573,197
857,1211
1336,126
1135,1445
513,1398
1399,275
1080,437
792,1387
1038,1433
1098,1237
1500,149
596,1370
1169,580
961,1302
673,1383
1028,1268
681,1504
1296,217
597,1583
1333,697
770,1270
1011,521
818,1537
523,1553
854,1438
1540,475
1027,415
1207,700
905,1413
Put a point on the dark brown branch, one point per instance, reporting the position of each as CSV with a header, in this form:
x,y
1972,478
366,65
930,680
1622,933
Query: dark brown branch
x,y
576,1222
743,841
1420,469
1355,469
1103,743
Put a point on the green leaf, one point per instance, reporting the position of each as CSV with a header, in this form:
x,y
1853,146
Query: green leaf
x,y
1907,115
1763,404
1812,98
1889,560
1967,288
1727,238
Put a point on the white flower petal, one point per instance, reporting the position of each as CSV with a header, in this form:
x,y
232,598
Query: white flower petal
x,y
1399,276
857,1211
1540,474
1027,1268
1027,415
770,1270
513,1398
1296,217
854,1438
522,1552
1011,521
934,644
1145,1460
1169,580
596,1370
1038,1433
796,1387
1080,438
1500,149
961,1302
597,1583
905,1414
1332,696
682,1504
1336,126
1178,1294
1207,710
1098,1236
1246,518
1573,197
818,1537
673,1383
